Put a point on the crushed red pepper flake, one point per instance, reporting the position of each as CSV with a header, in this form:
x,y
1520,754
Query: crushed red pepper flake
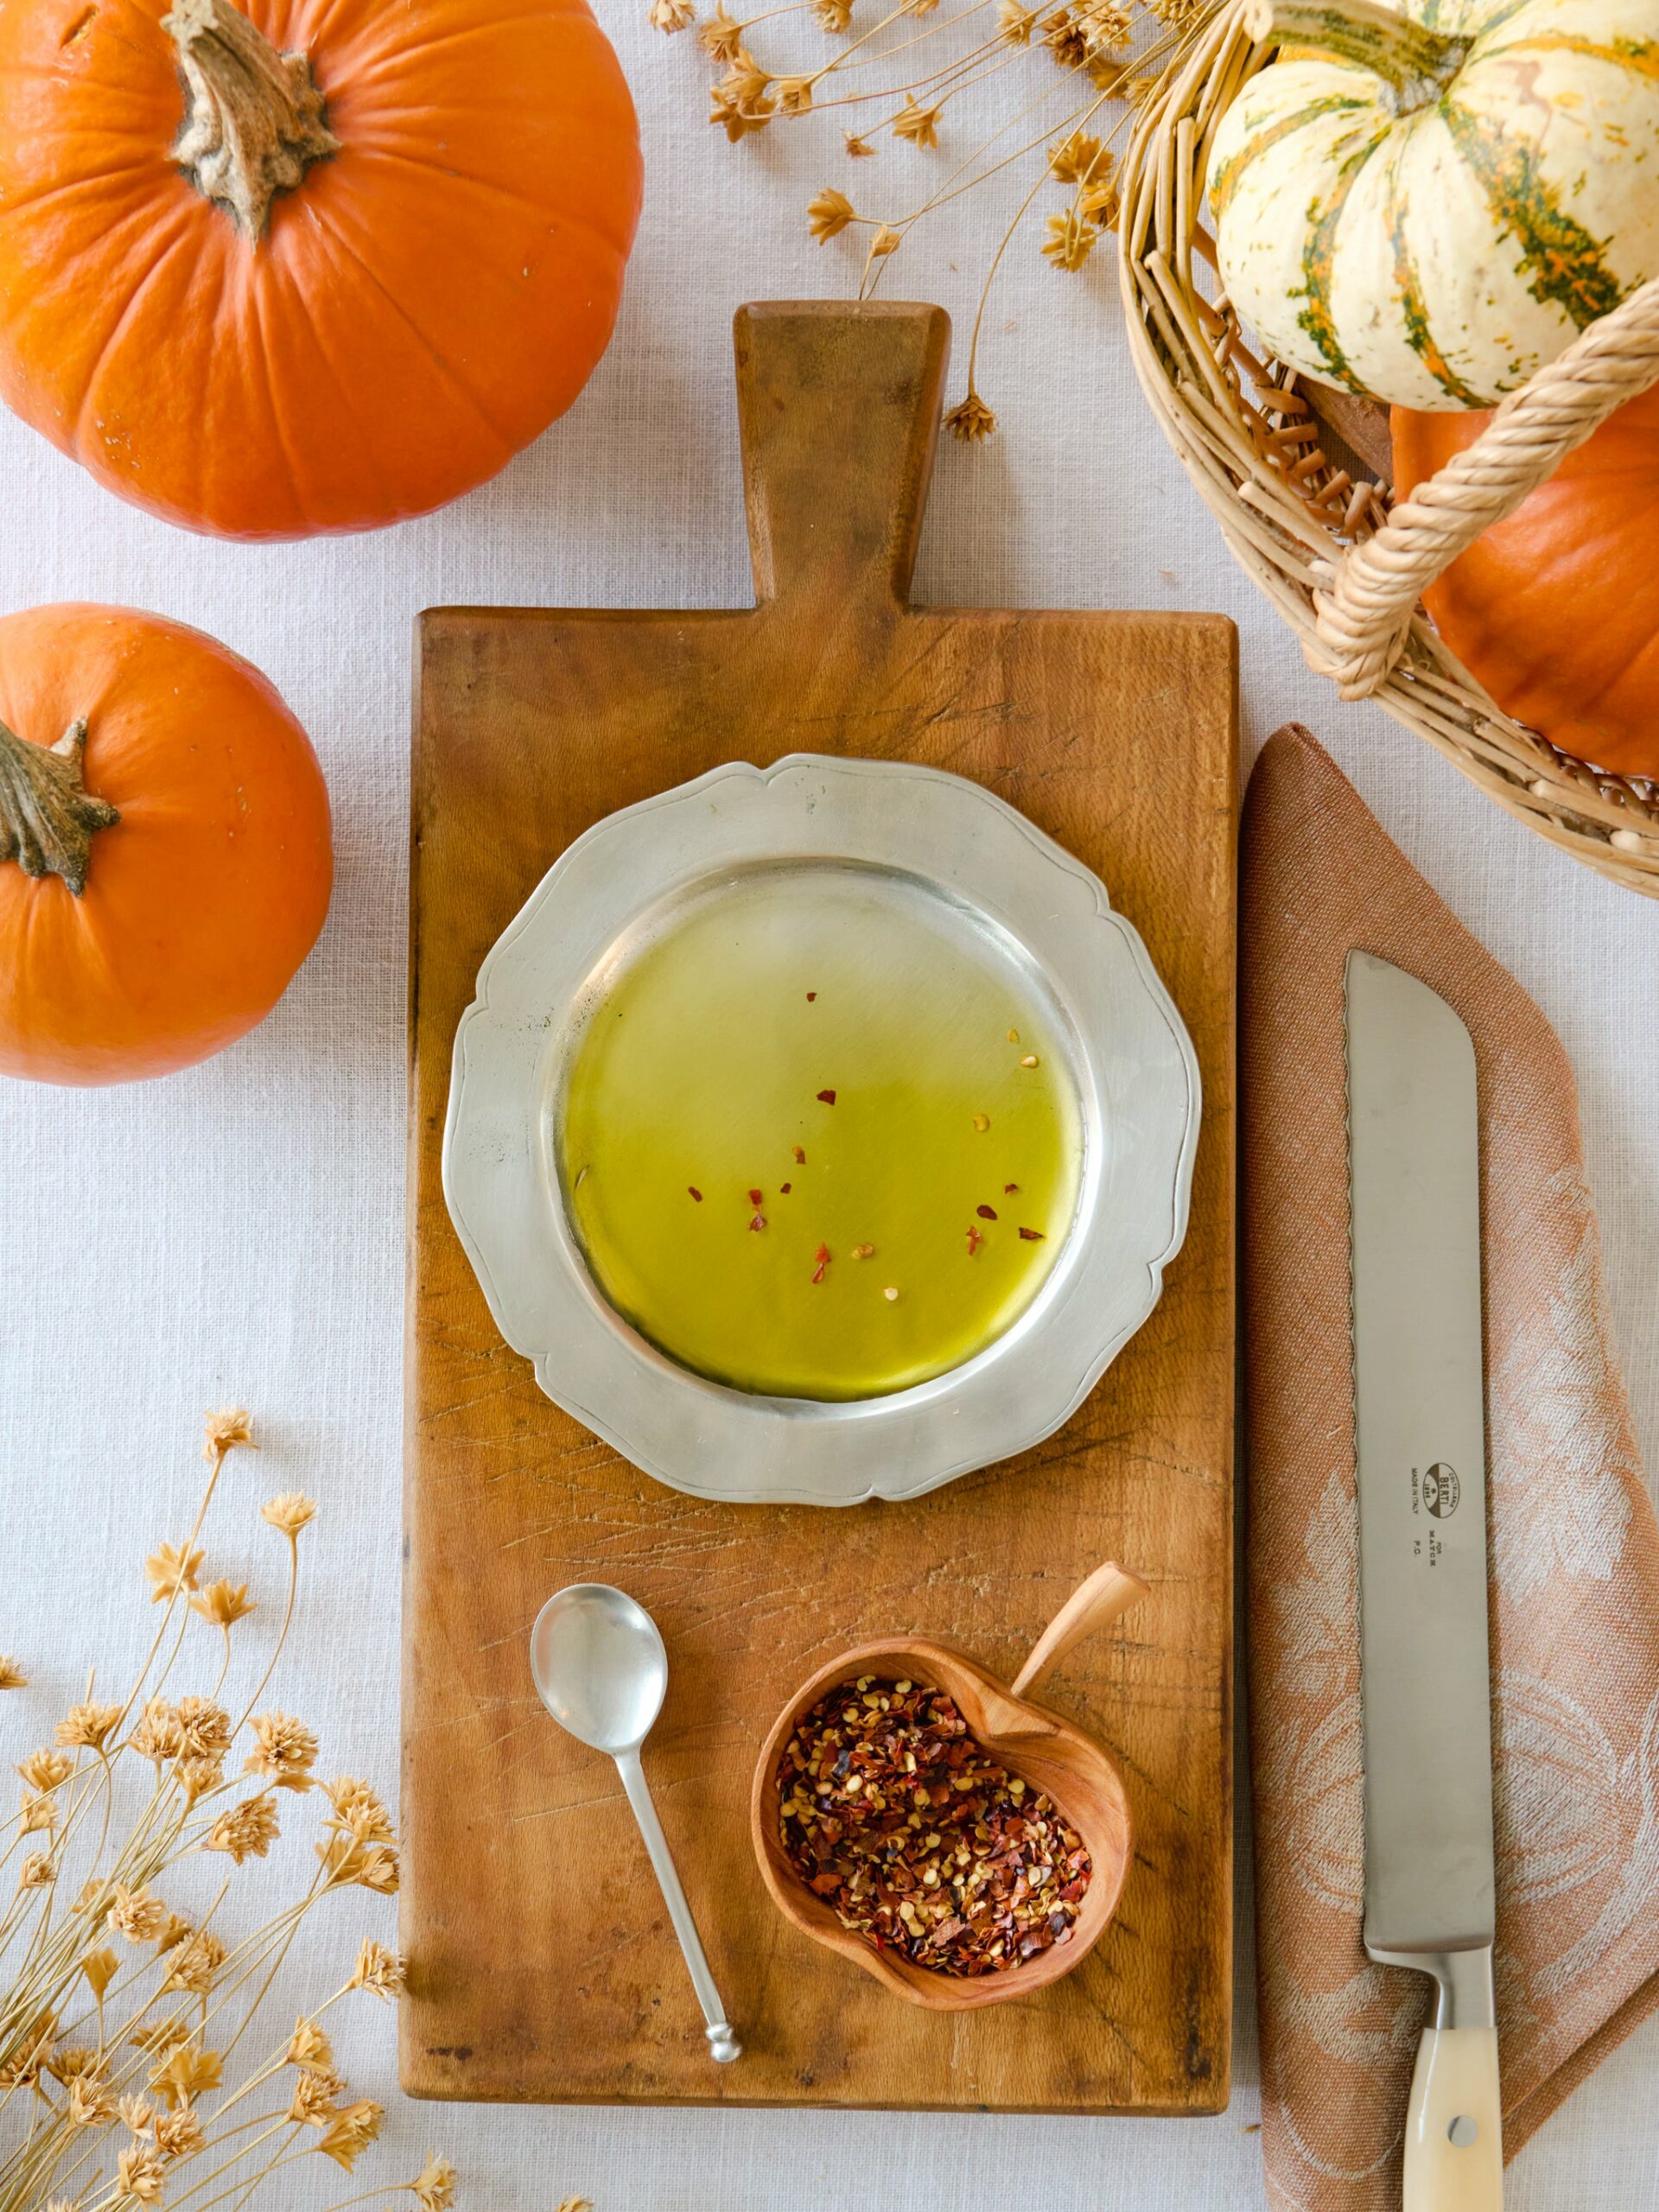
x,y
822,1255
1009,1189
755,1196
827,1097
986,1213
784,1190
798,1155
694,1191
1031,1235
759,1222
810,996
974,1240
920,1841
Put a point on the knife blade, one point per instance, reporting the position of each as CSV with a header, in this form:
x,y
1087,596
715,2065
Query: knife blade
x,y
1414,1138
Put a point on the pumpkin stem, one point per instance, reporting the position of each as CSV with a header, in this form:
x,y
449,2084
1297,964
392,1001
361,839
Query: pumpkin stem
x,y
48,816
253,121
1416,62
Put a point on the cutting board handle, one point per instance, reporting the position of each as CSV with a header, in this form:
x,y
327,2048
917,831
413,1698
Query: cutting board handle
x,y
838,404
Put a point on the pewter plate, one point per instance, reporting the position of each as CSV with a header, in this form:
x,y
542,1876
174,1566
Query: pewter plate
x,y
1129,1058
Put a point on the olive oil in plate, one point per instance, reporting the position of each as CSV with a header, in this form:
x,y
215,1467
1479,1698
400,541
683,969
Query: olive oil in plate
x,y
818,1137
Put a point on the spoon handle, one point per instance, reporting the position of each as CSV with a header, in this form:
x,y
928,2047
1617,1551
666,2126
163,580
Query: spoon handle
x,y
723,2043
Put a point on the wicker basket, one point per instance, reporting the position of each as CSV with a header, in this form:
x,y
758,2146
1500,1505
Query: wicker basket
x,y
1346,572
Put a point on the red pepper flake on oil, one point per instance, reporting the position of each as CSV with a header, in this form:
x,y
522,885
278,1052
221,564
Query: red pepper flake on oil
x,y
1031,1235
863,1251
694,1191
810,996
784,1190
974,1240
827,1097
755,1196
798,1155
759,1222
986,1213
822,1255
1009,1189
921,1842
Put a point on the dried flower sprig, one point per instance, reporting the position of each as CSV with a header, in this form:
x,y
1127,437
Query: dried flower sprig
x,y
121,2019
1083,67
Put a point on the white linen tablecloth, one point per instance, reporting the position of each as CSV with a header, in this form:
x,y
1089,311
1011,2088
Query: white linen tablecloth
x,y
234,1235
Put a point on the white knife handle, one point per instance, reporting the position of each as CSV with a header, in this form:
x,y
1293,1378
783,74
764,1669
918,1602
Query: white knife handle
x,y
1454,2138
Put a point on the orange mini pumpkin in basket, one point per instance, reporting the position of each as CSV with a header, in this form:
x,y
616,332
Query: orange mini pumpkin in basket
x,y
306,265
1555,610
165,862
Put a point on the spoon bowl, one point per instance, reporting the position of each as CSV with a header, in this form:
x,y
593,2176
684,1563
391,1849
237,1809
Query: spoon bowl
x,y
599,1666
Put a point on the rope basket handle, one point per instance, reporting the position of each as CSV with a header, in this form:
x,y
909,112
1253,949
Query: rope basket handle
x,y
1363,615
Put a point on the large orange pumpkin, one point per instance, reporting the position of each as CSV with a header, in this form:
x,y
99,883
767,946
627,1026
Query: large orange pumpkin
x,y
165,862
1556,610
307,264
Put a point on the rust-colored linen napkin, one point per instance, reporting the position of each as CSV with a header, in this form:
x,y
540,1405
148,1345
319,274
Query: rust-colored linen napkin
x,y
1574,1553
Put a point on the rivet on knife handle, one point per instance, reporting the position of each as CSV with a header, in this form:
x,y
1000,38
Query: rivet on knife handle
x,y
1454,2144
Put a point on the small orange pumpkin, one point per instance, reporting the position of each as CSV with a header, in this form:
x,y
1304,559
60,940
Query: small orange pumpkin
x,y
306,265
165,862
1556,610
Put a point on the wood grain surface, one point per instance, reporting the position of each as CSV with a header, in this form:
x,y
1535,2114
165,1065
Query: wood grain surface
x,y
542,1965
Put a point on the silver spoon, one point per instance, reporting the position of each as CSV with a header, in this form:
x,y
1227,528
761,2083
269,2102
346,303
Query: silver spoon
x,y
601,1671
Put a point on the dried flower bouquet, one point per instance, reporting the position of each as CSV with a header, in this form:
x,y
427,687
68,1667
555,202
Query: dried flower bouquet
x,y
133,2070
1078,71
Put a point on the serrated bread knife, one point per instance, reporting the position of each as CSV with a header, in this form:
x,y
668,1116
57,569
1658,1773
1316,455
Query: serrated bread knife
x,y
1414,1167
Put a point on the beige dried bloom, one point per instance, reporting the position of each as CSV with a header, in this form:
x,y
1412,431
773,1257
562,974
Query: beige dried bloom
x,y
920,125
378,1970
886,240
171,1568
832,15
136,1915
160,2035
1070,240
794,95
351,2131
194,1963
1074,159
284,1750
313,2103
101,1969
828,212
12,1677
30,2051
1014,25
137,2114
1099,204
91,2102
367,1865
434,2187
358,1811
858,150
139,2176
204,1728
179,2134
187,2072
88,1726
308,2047
670,15
197,1777
246,1831
70,2061
37,1813
45,1769
225,1431
721,37
970,420
36,1872
1103,24
158,1735
290,1512
224,1603
727,110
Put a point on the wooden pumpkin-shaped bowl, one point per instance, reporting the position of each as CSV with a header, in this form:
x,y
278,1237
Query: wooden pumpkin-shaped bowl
x,y
1041,1749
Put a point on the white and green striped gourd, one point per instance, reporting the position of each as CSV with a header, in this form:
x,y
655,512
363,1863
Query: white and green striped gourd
x,y
1426,202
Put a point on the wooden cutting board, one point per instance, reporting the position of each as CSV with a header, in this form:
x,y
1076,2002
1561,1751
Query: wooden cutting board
x,y
541,1962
